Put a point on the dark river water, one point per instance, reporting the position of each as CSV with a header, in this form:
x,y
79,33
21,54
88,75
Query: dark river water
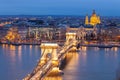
x,y
90,63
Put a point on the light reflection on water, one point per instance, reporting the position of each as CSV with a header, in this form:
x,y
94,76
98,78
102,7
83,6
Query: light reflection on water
x,y
17,61
94,63
91,63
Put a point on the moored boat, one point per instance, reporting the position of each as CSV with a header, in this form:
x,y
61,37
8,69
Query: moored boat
x,y
105,46
16,44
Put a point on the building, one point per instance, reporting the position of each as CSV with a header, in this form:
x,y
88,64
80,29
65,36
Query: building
x,y
94,19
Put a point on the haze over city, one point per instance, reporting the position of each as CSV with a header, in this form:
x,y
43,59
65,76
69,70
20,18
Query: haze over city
x,y
59,7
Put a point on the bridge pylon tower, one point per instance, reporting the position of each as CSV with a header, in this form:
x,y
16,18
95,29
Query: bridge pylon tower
x,y
49,51
71,37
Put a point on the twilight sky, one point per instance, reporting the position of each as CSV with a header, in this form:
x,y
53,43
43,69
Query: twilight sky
x,y
59,7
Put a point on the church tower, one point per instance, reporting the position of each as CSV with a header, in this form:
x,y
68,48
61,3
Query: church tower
x,y
99,20
86,20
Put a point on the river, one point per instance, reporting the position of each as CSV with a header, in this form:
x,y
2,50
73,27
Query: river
x,y
91,63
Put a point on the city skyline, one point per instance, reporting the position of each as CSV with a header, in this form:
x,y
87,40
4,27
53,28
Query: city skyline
x,y
59,7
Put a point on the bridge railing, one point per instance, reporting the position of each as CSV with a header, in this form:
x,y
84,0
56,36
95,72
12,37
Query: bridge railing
x,y
65,49
40,73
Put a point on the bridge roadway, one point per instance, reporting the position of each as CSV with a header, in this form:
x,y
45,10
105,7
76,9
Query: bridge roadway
x,y
41,70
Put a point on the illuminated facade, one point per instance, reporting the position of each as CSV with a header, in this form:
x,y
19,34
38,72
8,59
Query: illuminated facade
x,y
94,19
12,34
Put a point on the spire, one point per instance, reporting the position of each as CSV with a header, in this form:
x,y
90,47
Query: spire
x,y
94,12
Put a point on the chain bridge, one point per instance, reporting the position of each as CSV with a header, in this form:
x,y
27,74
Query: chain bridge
x,y
51,57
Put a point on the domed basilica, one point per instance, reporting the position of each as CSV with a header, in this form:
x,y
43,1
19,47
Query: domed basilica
x,y
94,19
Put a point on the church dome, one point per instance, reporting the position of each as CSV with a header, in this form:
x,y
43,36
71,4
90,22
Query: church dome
x,y
94,19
